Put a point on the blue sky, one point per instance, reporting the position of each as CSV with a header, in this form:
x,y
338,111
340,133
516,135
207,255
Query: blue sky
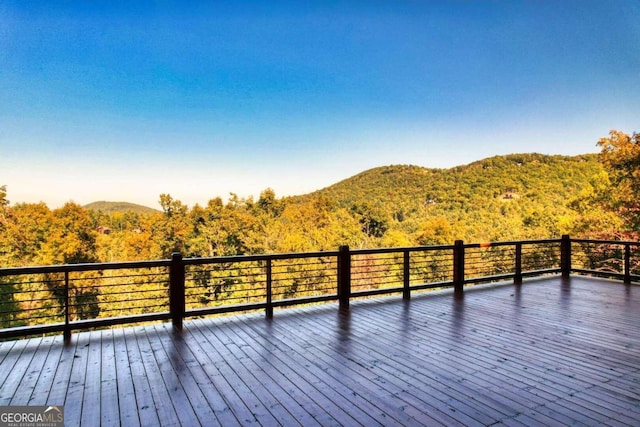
x,y
119,101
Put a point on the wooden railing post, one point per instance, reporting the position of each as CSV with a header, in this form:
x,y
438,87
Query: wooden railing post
x,y
565,256
406,275
176,290
269,309
66,334
627,263
344,277
517,279
458,267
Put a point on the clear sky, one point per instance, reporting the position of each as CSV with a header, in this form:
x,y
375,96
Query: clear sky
x,y
123,101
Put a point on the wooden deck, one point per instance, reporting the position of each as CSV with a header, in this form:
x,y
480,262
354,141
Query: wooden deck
x,y
546,353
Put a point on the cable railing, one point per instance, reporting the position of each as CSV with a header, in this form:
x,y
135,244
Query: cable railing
x,y
606,258
63,298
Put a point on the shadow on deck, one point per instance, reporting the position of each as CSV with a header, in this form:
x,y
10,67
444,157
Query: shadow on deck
x,y
549,352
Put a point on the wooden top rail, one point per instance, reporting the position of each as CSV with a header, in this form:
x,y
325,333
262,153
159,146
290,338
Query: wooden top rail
x,y
61,268
511,243
606,242
261,257
67,268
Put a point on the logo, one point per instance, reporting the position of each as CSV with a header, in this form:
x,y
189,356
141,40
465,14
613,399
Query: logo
x,y
31,416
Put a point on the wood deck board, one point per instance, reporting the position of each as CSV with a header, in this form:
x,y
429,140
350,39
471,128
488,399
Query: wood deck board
x,y
9,375
31,373
270,408
323,408
149,370
206,392
270,381
206,356
173,380
395,380
546,353
368,392
442,379
227,361
60,385
91,408
314,393
332,383
108,401
47,372
135,402
80,379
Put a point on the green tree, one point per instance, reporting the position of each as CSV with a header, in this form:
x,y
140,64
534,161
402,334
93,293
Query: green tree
x,y
269,204
26,228
5,249
4,203
436,231
173,228
596,217
620,155
373,221
8,305
72,238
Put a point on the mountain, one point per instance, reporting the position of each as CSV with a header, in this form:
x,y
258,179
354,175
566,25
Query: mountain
x,y
511,192
533,176
113,207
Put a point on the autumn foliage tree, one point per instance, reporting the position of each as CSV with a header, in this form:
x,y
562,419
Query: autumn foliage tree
x,y
620,155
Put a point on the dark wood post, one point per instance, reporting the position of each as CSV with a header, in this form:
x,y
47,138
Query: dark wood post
x,y
627,263
565,256
66,334
406,290
517,279
269,309
176,290
344,276
458,267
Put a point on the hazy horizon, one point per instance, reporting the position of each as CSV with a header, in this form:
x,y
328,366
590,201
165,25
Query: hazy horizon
x,y
118,102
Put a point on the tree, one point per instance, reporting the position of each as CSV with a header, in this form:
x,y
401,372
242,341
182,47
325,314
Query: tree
x,y
172,229
27,228
8,305
4,244
596,217
269,204
436,231
620,156
4,203
72,238
372,220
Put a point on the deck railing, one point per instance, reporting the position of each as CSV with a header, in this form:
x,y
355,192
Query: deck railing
x,y
63,298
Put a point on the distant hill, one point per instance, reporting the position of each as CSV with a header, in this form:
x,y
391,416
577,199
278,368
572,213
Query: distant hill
x,y
552,178
113,207
487,196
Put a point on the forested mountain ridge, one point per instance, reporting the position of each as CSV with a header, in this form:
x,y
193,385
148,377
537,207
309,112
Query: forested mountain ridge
x,y
512,196
534,176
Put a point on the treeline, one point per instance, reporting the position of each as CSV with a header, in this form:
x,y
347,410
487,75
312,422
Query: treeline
x,y
525,196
